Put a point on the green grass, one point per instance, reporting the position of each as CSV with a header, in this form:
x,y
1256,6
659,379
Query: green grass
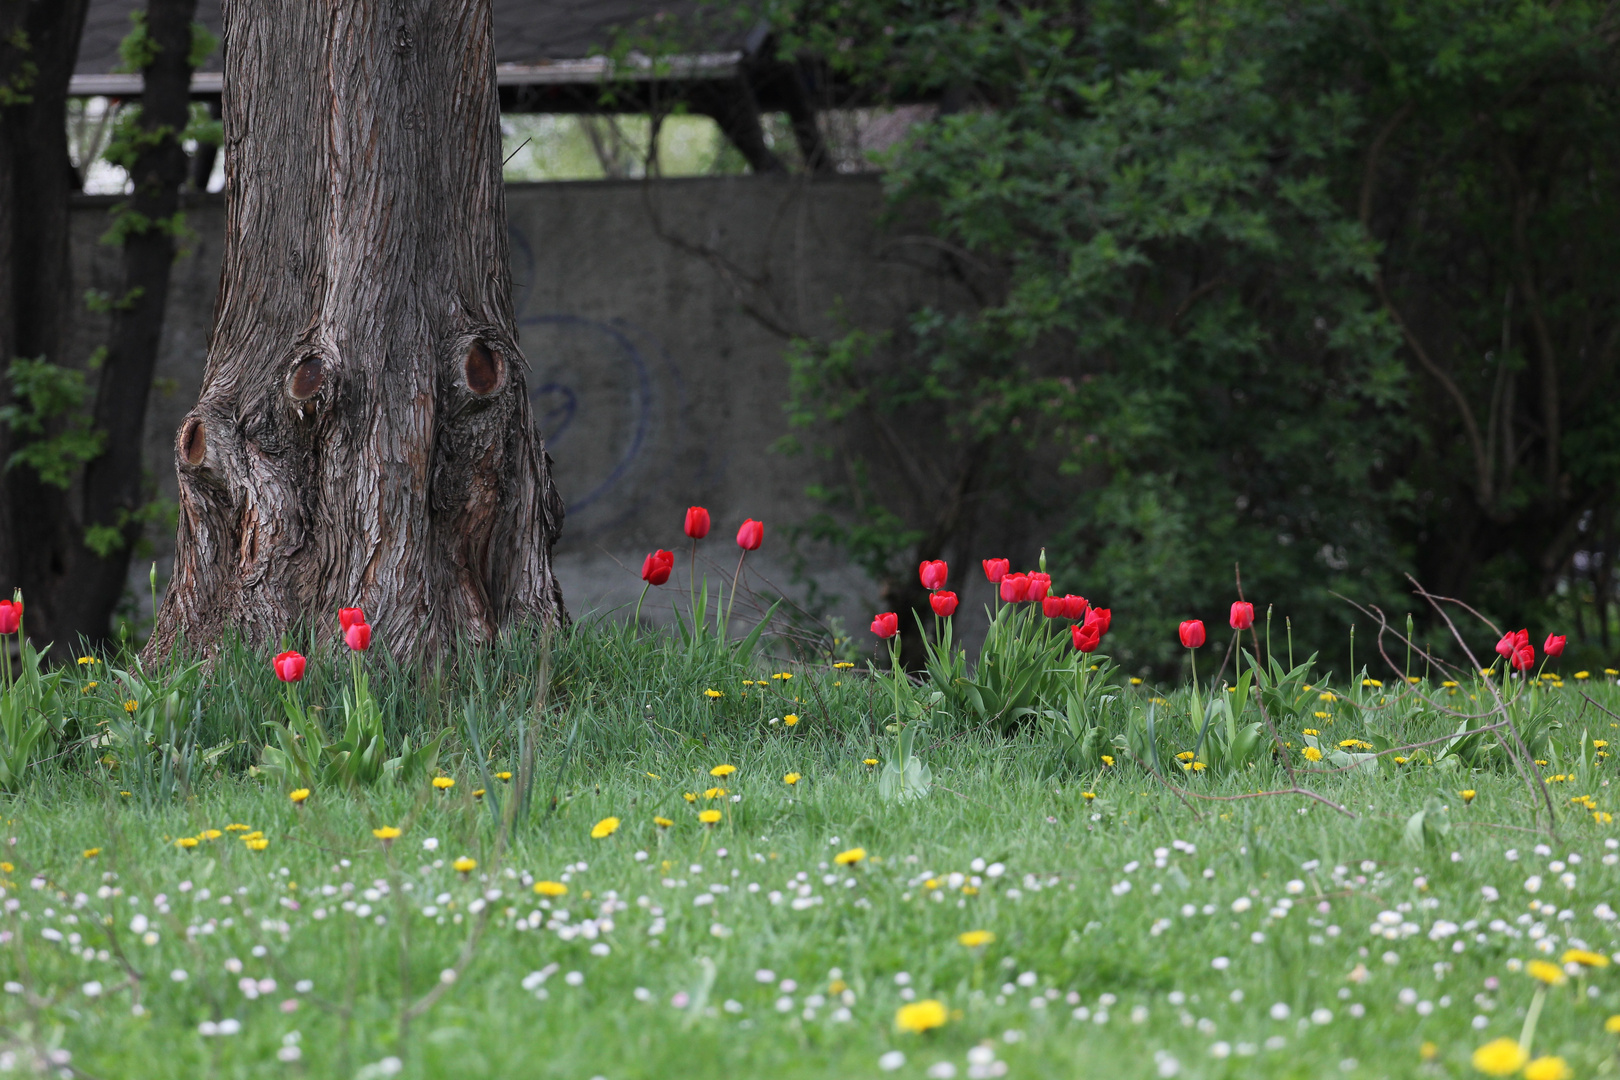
x,y
629,732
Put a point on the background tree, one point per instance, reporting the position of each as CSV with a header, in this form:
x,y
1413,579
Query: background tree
x,y
363,433
1325,289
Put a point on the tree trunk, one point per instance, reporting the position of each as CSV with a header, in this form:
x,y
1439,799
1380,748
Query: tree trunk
x,y
113,483
38,178
363,434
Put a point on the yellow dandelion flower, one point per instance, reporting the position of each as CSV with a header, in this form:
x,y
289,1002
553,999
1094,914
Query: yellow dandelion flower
x,y
790,719
850,857
253,835
688,796
791,778
1311,731
714,693
869,762
1428,1051
974,939
89,686
7,868
714,793
1611,671
1585,958
783,675
1600,743
131,705
1088,795
1312,753
387,833
443,783
1135,681
1548,1068
236,827
478,793
1449,684
1487,672
1612,1024
1546,971
298,796
1500,1057
662,822
187,842
709,817
255,843
931,883
1467,795
551,888
1327,695
210,834
970,890
1602,817
842,665
87,659
1185,755
722,770
920,1016
1583,674
464,865
91,852
1413,679
1372,682
503,776
606,827
1401,760
1107,761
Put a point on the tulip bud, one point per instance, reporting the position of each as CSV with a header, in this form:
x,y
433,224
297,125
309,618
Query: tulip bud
x,y
943,603
751,535
1015,588
933,574
1192,633
10,616
1039,585
697,522
886,625
655,568
358,636
289,666
1242,615
996,569
1554,645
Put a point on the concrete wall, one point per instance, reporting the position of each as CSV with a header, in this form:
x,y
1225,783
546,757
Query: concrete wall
x,y
654,383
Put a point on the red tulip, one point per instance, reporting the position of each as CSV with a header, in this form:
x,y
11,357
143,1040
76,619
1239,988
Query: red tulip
x,y
1015,588
655,568
697,522
751,535
358,636
1086,637
1054,607
933,574
1104,618
1554,645
289,666
1511,642
886,625
348,616
1075,607
1242,615
10,616
996,569
1039,585
943,603
1192,633
1524,658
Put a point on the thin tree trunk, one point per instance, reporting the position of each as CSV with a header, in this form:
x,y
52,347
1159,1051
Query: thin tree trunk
x,y
39,178
113,483
363,434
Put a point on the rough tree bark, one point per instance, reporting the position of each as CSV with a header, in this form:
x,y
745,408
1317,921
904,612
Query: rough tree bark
x,y
113,482
363,434
36,180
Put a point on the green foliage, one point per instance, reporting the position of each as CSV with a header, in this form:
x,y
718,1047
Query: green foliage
x,y
31,715
47,409
303,758
1214,257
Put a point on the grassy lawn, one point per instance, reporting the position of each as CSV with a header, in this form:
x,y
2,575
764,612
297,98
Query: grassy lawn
x,y
1131,928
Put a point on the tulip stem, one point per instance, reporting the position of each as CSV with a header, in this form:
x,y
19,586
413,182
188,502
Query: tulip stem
x,y
644,587
725,631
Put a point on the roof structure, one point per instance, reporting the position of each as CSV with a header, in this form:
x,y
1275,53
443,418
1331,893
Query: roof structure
x,y
537,42
716,60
